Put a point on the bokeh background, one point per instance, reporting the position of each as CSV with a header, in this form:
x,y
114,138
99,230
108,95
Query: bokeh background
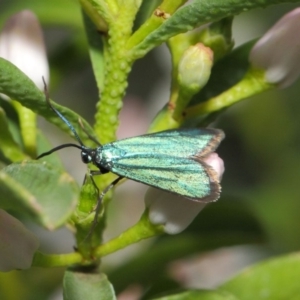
x,y
258,214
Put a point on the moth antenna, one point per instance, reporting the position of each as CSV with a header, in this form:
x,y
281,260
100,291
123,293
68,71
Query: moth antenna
x,y
87,133
58,148
71,127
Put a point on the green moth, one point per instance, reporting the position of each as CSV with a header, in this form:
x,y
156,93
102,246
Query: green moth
x,y
172,160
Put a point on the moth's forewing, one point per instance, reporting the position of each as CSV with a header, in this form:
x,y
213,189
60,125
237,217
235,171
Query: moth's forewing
x,y
176,143
169,160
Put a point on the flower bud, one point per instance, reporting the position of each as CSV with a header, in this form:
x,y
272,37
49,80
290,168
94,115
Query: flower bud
x,y
176,212
278,51
18,244
21,43
194,68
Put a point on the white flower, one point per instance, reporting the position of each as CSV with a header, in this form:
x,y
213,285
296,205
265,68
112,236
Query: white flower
x,y
278,51
22,43
176,212
17,245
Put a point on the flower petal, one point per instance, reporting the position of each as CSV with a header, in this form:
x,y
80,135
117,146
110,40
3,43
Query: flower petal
x,y
278,51
174,212
22,43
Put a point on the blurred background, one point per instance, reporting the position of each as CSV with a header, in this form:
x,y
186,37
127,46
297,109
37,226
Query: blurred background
x,y
257,215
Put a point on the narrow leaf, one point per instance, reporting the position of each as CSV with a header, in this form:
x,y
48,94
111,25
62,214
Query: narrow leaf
x,y
15,84
8,146
197,13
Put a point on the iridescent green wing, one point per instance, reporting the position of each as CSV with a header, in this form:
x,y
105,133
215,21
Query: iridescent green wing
x,y
183,176
170,160
180,143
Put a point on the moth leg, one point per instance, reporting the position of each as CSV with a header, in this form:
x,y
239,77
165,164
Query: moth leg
x,y
94,184
93,173
100,198
93,181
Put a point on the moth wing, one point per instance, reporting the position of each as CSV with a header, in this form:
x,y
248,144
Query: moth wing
x,y
176,143
188,177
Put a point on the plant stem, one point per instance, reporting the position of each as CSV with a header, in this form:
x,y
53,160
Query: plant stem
x,y
56,260
143,229
253,83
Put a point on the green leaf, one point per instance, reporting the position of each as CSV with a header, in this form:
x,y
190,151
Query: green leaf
x,y
37,190
79,285
96,51
197,13
15,84
273,279
8,146
54,12
200,295
43,145
12,119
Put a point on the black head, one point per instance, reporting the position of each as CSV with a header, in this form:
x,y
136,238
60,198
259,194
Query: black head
x,y
88,155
